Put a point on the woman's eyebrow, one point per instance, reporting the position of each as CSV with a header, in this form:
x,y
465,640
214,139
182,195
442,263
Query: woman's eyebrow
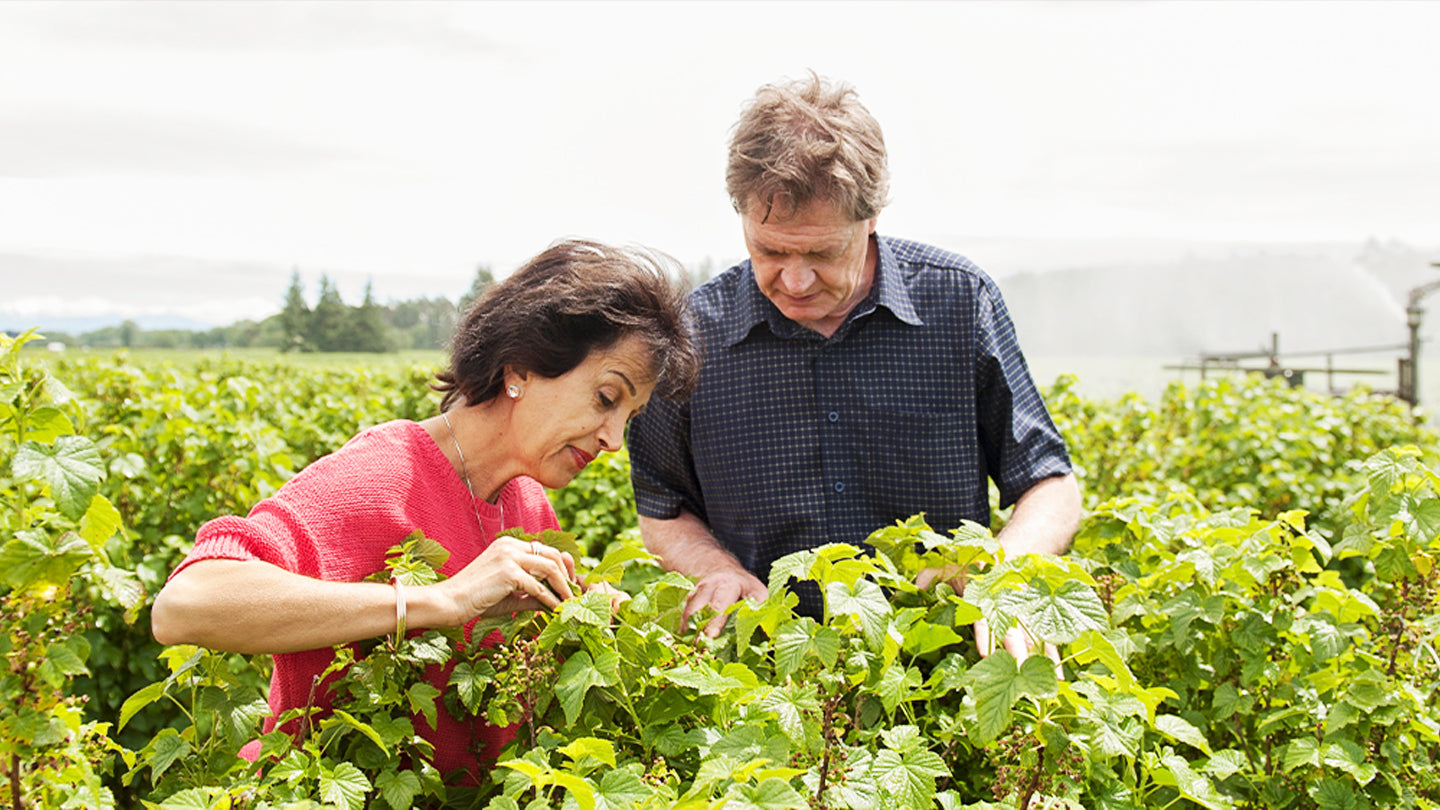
x,y
621,375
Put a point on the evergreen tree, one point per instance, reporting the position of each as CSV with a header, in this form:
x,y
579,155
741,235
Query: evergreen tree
x,y
483,281
295,317
330,319
368,331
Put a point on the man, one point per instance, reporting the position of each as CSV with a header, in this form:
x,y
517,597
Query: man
x,y
849,379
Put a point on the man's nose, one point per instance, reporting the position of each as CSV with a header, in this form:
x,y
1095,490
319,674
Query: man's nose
x,y
795,278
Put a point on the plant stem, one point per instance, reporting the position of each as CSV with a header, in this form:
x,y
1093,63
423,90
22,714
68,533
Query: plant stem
x,y
18,803
1399,625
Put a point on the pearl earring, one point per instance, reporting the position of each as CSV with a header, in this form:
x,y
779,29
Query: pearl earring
x,y
513,390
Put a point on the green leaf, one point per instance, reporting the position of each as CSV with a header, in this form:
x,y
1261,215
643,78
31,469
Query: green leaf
x,y
580,789
1057,615
192,799
1227,762
603,750
65,659
345,786
71,467
428,551
129,465
612,567
791,704
909,779
1424,524
46,424
1228,701
771,794
994,685
1192,785
702,679
791,566
347,719
1333,794
398,788
577,676
421,697
1349,757
237,712
924,637
167,746
1037,677
34,559
124,587
140,700
865,603
1178,728
591,608
798,640
620,789
1300,752
769,615
470,682
896,686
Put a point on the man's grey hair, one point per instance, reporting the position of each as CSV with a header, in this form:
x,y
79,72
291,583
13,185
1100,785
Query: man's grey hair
x,y
804,140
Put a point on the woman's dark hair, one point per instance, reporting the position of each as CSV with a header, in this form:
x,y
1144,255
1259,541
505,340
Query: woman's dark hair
x,y
575,297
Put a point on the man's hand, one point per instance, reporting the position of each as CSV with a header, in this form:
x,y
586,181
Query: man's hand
x,y
1017,641
720,590
685,544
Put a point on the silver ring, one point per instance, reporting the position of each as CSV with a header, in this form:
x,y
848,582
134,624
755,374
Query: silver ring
x,y
535,548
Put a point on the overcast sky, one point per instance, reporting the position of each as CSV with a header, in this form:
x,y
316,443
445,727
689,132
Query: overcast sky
x,y
187,156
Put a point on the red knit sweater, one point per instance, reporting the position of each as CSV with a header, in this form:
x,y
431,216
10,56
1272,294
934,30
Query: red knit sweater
x,y
336,519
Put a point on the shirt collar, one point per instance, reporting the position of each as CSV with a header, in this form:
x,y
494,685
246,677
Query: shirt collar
x,y
753,308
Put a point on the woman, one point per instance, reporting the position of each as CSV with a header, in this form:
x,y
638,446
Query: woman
x,y
545,371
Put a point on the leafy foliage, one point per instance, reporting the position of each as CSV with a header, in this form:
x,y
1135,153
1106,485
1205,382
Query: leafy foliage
x,y
53,572
1248,618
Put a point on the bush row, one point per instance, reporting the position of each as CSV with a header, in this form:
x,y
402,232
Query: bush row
x,y
1222,646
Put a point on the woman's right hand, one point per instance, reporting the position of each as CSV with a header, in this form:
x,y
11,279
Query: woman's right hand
x,y
508,577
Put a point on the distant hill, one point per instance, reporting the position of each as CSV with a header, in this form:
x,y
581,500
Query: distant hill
x,y
1315,301
76,325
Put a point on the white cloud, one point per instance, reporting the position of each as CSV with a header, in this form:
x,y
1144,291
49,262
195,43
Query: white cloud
x,y
410,142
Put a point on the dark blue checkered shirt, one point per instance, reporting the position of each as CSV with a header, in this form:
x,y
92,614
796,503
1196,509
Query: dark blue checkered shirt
x,y
793,440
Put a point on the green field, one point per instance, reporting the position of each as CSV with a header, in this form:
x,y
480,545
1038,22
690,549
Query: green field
x,y
1249,617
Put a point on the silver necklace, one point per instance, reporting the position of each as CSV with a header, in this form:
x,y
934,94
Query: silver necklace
x,y
465,474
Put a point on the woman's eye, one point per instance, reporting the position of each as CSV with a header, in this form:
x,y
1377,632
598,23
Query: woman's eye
x,y
606,402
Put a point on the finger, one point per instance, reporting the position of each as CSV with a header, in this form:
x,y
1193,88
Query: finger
x,y
717,625
532,587
552,571
1053,653
726,594
698,598
1016,646
555,567
925,577
982,637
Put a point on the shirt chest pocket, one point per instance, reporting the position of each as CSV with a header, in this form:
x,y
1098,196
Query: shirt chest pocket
x,y
920,462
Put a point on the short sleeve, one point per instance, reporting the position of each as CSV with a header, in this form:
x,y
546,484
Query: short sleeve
x,y
1022,444
272,533
662,468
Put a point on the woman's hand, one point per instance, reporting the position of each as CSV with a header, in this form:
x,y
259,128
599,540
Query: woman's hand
x,y
510,576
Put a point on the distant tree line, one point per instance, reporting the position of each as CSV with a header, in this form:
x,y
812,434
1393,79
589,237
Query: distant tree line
x,y
330,325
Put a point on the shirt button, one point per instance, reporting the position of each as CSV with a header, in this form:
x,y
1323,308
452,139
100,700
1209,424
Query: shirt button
x,y
839,486
834,417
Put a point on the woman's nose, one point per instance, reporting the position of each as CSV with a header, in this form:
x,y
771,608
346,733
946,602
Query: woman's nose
x,y
611,434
